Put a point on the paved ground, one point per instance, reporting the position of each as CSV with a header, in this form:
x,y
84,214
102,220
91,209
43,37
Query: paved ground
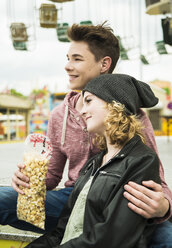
x,y
165,153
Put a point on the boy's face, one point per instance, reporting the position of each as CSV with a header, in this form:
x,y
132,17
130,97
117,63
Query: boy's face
x,y
81,66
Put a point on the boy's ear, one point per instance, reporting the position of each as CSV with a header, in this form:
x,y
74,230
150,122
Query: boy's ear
x,y
105,64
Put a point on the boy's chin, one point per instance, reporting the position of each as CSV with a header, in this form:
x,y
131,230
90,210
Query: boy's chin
x,y
74,88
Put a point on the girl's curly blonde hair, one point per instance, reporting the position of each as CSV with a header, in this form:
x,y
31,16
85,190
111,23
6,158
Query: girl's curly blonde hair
x,y
120,127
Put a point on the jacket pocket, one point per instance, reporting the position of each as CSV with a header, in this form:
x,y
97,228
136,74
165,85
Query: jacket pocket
x,y
110,179
102,187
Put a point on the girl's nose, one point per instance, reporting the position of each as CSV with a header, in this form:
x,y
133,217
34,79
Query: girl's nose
x,y
83,111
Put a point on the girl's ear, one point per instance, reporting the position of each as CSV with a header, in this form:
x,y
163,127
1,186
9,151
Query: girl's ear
x,y
105,64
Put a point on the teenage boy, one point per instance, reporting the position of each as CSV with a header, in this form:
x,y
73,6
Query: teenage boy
x,y
94,50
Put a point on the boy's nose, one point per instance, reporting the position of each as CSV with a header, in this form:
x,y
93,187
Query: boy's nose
x,y
68,66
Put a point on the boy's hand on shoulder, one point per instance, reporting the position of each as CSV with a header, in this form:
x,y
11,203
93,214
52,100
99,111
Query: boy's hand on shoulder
x,y
147,200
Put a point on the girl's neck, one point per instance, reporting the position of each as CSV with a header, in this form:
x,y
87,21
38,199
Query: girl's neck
x,y
111,152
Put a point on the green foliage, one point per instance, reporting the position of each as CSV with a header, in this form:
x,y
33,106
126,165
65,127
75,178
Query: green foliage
x,y
39,92
167,90
16,93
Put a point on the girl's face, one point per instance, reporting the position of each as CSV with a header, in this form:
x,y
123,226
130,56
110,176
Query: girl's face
x,y
94,112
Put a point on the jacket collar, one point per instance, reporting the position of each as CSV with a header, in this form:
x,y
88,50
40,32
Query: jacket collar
x,y
124,151
128,147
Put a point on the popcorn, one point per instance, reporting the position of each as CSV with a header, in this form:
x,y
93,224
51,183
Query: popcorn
x,y
31,205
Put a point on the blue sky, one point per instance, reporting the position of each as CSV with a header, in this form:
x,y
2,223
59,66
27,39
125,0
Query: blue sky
x,y
44,65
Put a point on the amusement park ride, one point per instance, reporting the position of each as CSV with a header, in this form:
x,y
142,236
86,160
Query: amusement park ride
x,y
48,18
23,35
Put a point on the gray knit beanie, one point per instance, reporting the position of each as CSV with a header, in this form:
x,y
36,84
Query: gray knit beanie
x,y
122,88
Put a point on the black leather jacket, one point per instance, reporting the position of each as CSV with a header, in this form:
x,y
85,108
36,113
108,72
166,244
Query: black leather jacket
x,y
108,222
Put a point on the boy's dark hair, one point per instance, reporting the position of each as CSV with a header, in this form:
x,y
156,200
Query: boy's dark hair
x,y
100,39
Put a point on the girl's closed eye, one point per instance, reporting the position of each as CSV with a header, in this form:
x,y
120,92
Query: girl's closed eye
x,y
87,100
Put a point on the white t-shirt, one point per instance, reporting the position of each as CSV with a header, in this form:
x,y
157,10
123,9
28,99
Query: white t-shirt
x,y
74,227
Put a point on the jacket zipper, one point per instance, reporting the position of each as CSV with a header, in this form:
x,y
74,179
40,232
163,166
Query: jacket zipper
x,y
99,170
109,174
